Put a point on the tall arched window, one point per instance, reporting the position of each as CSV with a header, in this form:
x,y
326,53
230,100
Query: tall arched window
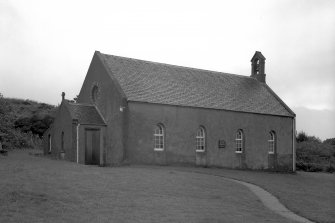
x,y
272,142
239,141
200,140
159,138
49,143
62,141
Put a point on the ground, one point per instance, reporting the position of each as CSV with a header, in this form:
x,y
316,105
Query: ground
x,y
39,189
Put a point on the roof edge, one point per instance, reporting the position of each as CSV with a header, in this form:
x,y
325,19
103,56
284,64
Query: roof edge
x,y
101,116
218,109
178,66
67,104
279,99
117,84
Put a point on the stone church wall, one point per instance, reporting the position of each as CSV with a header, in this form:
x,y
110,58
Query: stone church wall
x,y
62,123
109,102
181,125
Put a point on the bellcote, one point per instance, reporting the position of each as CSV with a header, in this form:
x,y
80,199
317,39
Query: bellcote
x,y
258,67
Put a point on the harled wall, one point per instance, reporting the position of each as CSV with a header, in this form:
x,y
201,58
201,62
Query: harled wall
x,y
181,124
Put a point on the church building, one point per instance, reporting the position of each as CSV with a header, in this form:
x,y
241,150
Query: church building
x,y
132,111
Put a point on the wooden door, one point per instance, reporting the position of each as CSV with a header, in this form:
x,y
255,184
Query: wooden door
x,y
92,146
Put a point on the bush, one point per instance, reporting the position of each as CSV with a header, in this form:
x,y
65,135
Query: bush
x,y
330,141
35,124
314,156
303,137
25,131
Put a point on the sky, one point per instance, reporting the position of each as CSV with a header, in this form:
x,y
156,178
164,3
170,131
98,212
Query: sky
x,y
46,46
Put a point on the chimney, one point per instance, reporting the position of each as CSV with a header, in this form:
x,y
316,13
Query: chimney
x,y
63,96
258,67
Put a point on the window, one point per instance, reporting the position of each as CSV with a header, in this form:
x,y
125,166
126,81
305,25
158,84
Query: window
x,y
200,140
95,91
62,141
257,66
49,143
272,142
239,141
159,138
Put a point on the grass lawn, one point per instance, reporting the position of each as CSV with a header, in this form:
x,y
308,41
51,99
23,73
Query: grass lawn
x,y
37,189
311,195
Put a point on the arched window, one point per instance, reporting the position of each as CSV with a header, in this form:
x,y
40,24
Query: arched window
x,y
159,138
200,140
62,141
239,141
272,142
95,91
49,143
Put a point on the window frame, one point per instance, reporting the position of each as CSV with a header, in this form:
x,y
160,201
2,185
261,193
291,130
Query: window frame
x,y
200,140
159,138
272,143
239,141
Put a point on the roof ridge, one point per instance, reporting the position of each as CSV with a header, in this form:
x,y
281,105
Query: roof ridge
x,y
178,66
187,86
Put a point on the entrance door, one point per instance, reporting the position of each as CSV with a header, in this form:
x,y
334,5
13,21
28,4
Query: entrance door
x,y
92,146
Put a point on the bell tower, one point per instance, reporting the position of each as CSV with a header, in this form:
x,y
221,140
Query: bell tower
x,y
258,67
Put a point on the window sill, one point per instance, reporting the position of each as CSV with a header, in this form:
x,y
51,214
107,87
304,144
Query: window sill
x,y
157,149
239,152
272,153
199,151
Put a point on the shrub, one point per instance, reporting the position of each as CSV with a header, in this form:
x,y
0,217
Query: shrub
x,y
26,130
314,156
330,141
302,137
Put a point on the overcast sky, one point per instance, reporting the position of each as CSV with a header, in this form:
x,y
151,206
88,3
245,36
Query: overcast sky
x,y
46,46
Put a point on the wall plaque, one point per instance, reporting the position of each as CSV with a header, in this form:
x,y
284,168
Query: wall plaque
x,y
221,144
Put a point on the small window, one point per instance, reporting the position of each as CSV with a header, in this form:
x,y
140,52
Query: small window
x,y
239,141
272,142
200,140
159,138
95,91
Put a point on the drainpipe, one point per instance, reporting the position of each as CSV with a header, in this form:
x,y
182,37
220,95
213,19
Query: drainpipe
x,y
78,143
293,143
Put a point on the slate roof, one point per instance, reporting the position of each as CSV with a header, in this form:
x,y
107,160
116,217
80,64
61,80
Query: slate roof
x,y
152,82
85,114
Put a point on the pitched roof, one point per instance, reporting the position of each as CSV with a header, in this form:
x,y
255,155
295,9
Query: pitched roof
x,y
152,82
85,113
259,55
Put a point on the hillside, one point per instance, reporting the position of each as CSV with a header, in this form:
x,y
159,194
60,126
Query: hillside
x,y
23,122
